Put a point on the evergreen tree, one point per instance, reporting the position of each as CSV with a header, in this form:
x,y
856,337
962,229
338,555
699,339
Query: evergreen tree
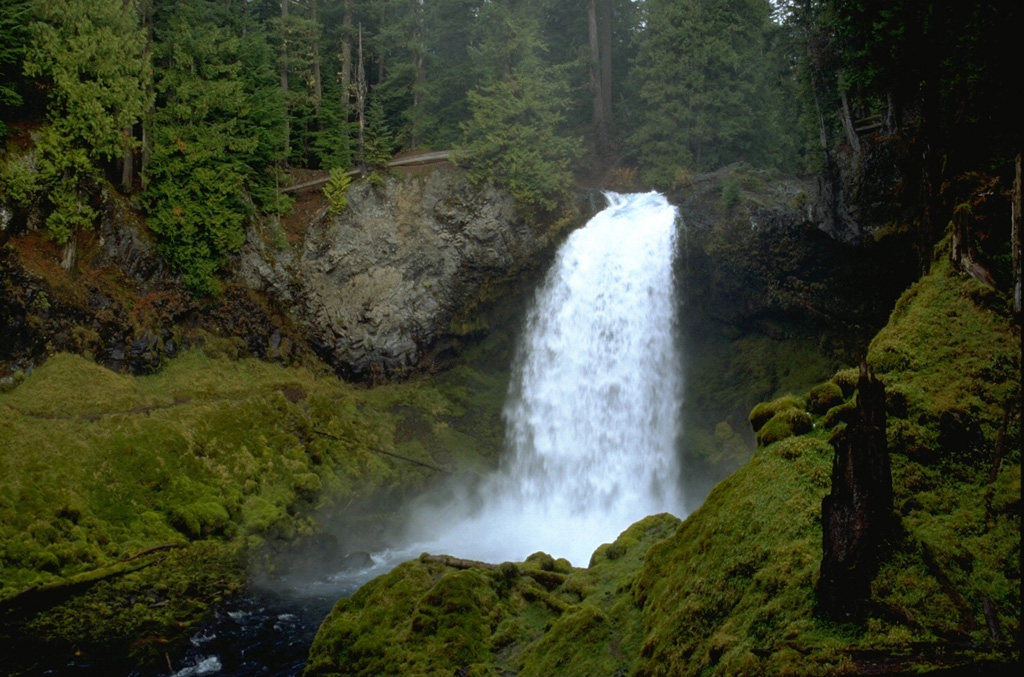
x,y
91,56
516,136
379,142
449,70
218,129
703,86
14,19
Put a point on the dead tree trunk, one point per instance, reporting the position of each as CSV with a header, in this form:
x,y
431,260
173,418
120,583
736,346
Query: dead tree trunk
x,y
857,515
605,20
361,91
346,59
600,125
1015,240
283,70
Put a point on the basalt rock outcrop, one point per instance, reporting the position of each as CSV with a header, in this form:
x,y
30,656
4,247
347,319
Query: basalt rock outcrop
x,y
120,303
390,284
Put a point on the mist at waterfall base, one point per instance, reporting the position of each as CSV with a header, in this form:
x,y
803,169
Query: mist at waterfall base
x,y
592,413
591,423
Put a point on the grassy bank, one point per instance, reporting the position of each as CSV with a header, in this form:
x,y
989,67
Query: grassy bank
x,y
128,505
731,589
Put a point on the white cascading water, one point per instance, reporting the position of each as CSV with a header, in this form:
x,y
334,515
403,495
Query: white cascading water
x,y
591,422
591,417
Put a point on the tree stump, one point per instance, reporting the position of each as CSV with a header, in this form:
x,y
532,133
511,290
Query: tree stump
x,y
857,515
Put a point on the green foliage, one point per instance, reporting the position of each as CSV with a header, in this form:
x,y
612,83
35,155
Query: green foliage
x,y
335,190
14,20
18,181
731,192
704,82
91,53
92,57
515,137
378,143
215,134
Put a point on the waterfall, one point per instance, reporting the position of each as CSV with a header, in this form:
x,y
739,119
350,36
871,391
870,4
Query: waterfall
x,y
591,416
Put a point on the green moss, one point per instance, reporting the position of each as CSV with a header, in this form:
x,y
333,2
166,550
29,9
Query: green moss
x,y
847,379
784,423
843,413
208,451
425,618
731,590
763,412
823,397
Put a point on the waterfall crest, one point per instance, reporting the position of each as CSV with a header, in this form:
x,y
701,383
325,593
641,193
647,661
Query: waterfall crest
x,y
592,412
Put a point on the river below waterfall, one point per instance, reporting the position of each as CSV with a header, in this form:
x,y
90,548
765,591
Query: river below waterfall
x,y
591,437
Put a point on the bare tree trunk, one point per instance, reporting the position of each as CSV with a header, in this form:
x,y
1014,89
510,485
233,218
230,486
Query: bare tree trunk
x,y
67,261
851,133
361,91
128,160
1015,240
318,86
419,66
283,66
600,126
606,62
346,58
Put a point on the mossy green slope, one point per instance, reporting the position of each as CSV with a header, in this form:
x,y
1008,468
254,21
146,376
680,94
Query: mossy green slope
x,y
215,457
539,617
731,591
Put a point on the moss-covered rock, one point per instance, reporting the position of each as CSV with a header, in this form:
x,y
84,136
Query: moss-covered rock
x,y
785,423
763,412
731,590
427,618
224,459
823,397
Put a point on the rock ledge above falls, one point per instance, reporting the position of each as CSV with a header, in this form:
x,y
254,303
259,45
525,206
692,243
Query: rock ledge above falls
x,y
384,286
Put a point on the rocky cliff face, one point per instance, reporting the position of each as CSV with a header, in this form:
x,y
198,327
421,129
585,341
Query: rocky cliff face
x,y
391,285
384,287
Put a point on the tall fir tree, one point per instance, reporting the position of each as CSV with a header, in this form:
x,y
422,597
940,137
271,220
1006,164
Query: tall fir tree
x,y
14,20
219,128
704,88
91,56
517,136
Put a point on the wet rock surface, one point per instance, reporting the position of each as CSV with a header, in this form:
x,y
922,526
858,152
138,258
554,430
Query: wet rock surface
x,y
384,287
388,287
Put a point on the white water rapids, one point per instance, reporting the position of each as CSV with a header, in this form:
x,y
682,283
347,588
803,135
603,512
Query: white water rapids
x,y
591,426
592,412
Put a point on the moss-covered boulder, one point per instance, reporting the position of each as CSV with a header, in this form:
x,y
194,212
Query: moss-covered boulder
x,y
442,616
823,397
763,412
731,590
785,423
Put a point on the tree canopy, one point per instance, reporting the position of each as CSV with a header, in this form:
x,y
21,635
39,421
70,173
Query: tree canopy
x,y
202,104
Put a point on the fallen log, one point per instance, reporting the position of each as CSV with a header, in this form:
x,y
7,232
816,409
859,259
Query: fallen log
x,y
457,563
389,453
37,598
408,161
